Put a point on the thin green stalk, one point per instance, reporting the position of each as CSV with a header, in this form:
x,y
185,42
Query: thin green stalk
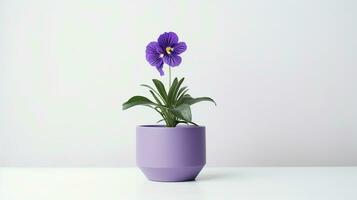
x,y
169,77
171,121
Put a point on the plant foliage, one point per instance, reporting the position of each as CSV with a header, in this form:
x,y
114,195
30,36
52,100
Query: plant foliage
x,y
173,105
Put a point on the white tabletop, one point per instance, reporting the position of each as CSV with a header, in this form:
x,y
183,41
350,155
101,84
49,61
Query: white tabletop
x,y
246,183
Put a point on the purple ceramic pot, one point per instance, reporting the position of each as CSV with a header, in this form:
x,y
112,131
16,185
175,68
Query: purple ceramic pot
x,y
170,154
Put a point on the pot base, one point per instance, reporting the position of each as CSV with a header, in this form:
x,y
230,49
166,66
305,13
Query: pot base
x,y
171,174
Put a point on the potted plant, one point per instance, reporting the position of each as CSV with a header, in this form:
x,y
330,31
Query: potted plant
x,y
169,152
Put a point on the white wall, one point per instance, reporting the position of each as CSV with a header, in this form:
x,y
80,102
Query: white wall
x,y
282,72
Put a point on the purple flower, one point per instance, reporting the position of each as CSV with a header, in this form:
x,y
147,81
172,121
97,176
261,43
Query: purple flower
x,y
166,50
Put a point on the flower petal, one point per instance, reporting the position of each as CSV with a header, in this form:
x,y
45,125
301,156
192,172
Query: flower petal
x,y
153,52
168,39
154,60
179,48
160,69
154,48
172,60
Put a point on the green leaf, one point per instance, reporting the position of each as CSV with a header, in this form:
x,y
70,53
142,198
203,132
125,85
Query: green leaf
x,y
185,98
161,120
161,88
171,91
156,98
181,95
193,123
183,111
199,99
184,122
176,90
137,100
151,88
180,92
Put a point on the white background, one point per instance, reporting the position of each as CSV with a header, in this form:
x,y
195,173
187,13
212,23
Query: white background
x,y
282,72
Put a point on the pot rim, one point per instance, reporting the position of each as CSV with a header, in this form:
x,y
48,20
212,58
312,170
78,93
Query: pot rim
x,y
164,127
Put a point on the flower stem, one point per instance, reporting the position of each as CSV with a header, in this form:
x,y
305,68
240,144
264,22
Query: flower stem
x,y
169,77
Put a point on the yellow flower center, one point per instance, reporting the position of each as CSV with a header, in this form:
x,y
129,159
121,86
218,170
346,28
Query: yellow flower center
x,y
169,50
